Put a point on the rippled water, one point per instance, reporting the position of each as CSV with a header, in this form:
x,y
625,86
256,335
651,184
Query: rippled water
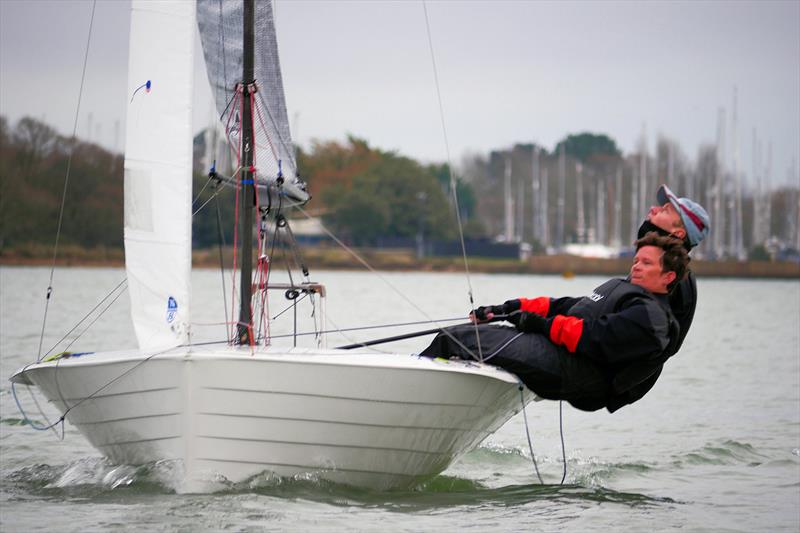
x,y
715,446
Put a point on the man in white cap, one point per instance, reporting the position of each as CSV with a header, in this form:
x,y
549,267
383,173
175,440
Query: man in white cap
x,y
687,220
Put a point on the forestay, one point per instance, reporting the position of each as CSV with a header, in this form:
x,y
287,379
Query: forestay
x,y
221,32
158,171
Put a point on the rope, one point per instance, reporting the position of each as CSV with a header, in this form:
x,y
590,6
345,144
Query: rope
x,y
222,261
497,351
466,262
109,383
93,321
197,197
337,330
352,340
112,291
528,433
213,196
233,333
30,422
386,281
561,432
453,187
66,183
291,305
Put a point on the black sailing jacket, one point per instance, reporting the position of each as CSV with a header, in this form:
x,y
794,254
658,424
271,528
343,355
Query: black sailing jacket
x,y
627,331
682,303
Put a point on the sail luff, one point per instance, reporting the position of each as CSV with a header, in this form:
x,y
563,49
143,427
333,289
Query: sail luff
x,y
158,171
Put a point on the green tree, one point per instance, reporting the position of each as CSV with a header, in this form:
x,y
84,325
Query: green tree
x,y
759,253
358,213
393,196
583,146
467,201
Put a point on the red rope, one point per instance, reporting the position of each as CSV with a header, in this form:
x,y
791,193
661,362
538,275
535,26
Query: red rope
x,y
232,333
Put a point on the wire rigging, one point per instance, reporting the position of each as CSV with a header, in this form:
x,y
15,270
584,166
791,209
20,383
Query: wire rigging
x,y
397,291
87,315
453,184
66,182
453,188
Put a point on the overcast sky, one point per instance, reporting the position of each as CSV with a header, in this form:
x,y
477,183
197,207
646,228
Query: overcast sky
x,y
510,72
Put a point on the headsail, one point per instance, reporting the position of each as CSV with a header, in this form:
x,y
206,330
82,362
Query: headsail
x,y
158,171
221,31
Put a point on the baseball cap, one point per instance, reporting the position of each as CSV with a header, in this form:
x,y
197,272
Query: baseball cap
x,y
694,217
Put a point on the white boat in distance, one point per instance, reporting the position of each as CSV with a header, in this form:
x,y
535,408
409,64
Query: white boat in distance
x,y
357,417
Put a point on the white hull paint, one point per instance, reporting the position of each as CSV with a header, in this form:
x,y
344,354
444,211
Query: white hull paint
x,y
380,421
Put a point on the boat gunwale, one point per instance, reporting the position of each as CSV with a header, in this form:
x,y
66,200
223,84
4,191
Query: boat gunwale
x,y
344,358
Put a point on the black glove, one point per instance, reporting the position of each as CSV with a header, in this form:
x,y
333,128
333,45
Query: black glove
x,y
481,312
508,307
530,323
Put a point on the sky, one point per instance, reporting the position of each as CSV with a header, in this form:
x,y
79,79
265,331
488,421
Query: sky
x,y
509,72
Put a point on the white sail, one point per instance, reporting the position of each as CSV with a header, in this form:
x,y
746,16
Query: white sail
x,y
158,170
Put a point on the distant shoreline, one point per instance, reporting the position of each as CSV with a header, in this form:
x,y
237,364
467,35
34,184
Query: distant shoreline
x,y
327,258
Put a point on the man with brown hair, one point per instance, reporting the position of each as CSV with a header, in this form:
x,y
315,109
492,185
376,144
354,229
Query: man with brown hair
x,y
591,350
687,220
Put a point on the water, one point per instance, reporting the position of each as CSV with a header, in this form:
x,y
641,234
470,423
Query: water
x,y
715,446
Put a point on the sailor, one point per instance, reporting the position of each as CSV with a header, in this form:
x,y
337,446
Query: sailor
x,y
687,220
592,351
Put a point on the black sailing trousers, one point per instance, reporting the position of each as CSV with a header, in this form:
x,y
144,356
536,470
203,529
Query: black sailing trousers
x,y
546,369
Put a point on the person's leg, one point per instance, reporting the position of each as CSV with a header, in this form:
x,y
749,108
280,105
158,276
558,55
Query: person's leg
x,y
535,361
531,357
462,341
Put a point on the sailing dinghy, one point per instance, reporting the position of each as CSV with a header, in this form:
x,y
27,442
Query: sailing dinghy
x,y
245,407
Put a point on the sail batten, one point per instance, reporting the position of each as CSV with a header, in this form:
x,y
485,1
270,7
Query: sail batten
x,y
158,171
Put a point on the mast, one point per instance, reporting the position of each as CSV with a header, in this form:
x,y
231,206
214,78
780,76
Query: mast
x,y
508,203
734,202
768,191
634,200
617,239
562,180
600,232
520,226
537,223
247,194
643,177
758,212
581,230
544,207
718,237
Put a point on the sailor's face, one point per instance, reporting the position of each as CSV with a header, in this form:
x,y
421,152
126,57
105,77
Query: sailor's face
x,y
646,270
666,217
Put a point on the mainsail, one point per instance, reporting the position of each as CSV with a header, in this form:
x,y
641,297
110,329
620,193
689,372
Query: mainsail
x,y
158,171
221,30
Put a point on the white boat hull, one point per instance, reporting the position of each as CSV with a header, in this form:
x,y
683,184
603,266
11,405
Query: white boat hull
x,y
379,421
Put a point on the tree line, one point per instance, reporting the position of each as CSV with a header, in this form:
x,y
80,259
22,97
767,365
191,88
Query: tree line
x,y
364,194
584,190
